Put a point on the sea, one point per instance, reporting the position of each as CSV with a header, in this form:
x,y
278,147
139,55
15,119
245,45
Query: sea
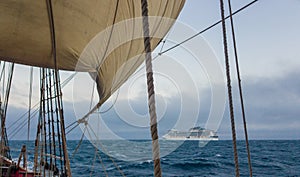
x,y
186,158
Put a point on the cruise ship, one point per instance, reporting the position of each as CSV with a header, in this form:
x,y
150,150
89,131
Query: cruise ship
x,y
195,133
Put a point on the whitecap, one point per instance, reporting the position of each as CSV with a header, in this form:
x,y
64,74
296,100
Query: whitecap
x,y
218,155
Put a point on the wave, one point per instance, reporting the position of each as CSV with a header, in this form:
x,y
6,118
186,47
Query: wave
x,y
191,165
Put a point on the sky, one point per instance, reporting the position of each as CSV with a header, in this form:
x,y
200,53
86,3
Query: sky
x,y
190,92
268,44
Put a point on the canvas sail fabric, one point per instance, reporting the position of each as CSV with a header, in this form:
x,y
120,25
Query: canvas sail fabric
x,y
101,37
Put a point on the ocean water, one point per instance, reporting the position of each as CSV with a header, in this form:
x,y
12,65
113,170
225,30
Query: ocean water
x,y
269,158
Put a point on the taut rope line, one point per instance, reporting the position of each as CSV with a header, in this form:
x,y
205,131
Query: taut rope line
x,y
151,94
208,28
240,89
236,162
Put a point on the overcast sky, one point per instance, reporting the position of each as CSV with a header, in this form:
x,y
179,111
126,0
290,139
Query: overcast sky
x,y
268,41
268,46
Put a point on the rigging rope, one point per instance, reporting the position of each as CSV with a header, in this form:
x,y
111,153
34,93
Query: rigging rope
x,y
58,124
2,72
43,118
52,107
151,93
206,29
240,88
98,142
79,121
80,142
58,89
101,161
85,129
161,52
64,83
8,87
48,101
112,105
19,128
167,50
4,141
237,173
73,127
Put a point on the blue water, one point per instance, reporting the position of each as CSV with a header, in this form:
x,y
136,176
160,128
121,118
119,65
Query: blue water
x,y
269,158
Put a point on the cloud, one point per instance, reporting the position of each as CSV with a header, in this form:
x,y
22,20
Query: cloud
x,y
272,108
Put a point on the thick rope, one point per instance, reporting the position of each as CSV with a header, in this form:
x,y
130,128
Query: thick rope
x,y
237,173
240,88
151,94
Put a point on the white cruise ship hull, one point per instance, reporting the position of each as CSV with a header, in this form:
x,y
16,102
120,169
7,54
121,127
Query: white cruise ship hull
x,y
190,138
194,134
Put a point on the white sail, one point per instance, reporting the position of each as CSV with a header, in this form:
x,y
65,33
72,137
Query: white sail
x,y
25,35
